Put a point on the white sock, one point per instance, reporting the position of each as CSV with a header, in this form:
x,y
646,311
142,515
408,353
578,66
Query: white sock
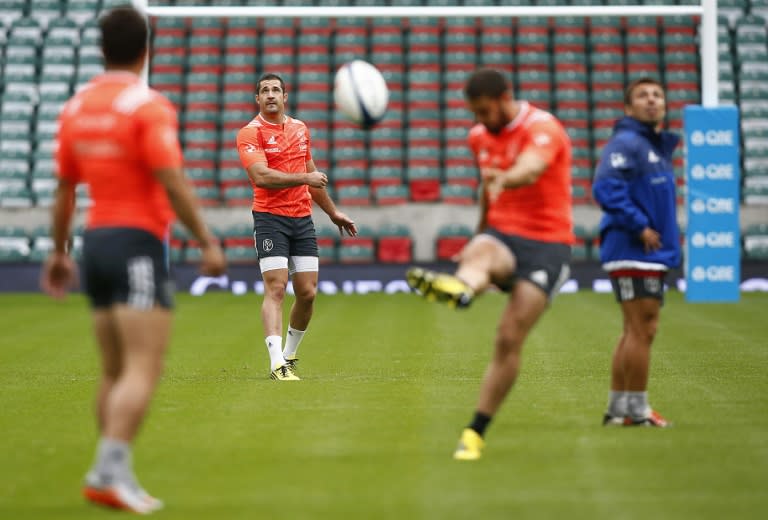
x,y
637,404
113,461
275,348
617,403
292,341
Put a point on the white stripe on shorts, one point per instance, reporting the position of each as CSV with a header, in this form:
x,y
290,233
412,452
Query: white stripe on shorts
x,y
141,283
296,264
303,264
271,263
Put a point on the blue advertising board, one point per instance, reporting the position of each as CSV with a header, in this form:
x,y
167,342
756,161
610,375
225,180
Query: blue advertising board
x,y
713,242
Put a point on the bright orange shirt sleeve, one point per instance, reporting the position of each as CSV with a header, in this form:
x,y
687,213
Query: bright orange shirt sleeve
x,y
544,139
66,167
158,137
249,147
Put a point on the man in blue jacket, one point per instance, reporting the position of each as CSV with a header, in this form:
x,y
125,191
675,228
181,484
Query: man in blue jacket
x,y
635,187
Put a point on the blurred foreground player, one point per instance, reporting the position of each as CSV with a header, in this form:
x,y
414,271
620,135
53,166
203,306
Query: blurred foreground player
x,y
120,138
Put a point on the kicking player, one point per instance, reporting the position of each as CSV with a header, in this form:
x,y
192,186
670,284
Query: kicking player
x,y
523,240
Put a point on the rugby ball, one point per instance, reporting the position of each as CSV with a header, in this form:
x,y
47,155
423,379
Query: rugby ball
x,y
360,93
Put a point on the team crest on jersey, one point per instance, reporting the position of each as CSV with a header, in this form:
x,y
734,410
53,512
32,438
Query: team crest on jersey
x,y
267,244
618,160
272,140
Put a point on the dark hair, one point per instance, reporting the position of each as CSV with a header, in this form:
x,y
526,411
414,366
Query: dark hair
x,y
267,76
486,83
124,35
645,80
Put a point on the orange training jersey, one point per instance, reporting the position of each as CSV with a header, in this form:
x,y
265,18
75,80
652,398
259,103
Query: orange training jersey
x,y
542,210
112,135
284,147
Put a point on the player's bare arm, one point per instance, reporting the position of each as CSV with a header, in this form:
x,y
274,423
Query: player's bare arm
x,y
320,196
59,272
265,177
184,203
483,206
526,170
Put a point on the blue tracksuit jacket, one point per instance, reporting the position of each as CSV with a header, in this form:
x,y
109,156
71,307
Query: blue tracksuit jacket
x,y
635,186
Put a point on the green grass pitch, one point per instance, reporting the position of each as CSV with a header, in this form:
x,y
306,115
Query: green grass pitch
x,y
389,382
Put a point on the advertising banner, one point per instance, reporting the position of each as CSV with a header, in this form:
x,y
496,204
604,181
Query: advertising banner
x,y
713,242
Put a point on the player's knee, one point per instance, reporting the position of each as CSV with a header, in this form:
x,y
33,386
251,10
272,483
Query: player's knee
x,y
507,342
305,294
650,331
275,291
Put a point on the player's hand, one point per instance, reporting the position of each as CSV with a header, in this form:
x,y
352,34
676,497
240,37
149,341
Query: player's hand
x,y
59,275
212,262
490,173
651,239
344,223
317,179
494,187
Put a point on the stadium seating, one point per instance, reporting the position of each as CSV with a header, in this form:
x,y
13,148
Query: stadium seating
x,y
576,67
395,244
451,238
358,249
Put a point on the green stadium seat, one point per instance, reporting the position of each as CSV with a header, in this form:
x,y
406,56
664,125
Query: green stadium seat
x,y
422,156
232,176
352,156
12,255
347,176
462,175
457,194
14,171
755,241
327,243
352,195
391,156
238,196
384,176
355,254
20,197
242,254
387,195
606,60
755,191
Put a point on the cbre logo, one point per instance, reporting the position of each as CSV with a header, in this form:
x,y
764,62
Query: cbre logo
x,y
713,273
712,205
713,239
713,171
712,138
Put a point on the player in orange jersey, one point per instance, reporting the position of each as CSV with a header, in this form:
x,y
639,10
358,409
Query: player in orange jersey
x,y
120,138
275,150
523,241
